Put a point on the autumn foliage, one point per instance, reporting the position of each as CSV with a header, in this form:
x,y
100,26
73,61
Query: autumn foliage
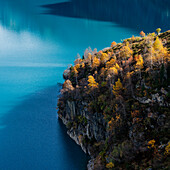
x,y
126,88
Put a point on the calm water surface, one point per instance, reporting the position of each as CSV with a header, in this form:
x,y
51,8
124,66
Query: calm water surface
x,y
37,42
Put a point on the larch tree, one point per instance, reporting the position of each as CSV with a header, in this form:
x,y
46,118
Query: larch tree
x,y
113,72
139,63
96,62
159,51
92,83
110,63
104,57
158,30
142,34
113,44
117,88
126,52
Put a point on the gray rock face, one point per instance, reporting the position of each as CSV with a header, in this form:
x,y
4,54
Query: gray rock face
x,y
93,130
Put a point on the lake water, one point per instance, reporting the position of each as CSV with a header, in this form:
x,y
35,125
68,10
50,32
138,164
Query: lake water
x,y
36,45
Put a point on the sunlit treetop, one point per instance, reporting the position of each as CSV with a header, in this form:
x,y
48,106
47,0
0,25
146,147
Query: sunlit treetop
x,y
157,45
110,63
142,34
133,38
104,57
125,51
96,62
113,44
158,30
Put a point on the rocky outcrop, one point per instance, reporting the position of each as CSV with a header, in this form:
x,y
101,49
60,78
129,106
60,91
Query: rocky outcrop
x,y
117,108
83,127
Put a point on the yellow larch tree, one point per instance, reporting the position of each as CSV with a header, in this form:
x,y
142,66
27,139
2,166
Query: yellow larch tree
x,y
96,62
159,51
126,52
110,63
104,57
117,88
113,71
92,82
117,66
142,34
140,62
113,44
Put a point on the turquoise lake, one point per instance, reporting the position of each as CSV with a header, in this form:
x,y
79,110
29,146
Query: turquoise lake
x,y
38,39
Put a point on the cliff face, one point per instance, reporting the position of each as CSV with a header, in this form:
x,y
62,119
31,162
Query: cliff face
x,y
83,127
115,104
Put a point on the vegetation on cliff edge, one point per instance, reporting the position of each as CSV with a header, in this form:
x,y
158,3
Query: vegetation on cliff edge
x,y
129,85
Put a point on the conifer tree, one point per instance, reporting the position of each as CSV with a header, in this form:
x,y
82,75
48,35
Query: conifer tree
x,y
142,34
96,62
158,30
117,88
92,82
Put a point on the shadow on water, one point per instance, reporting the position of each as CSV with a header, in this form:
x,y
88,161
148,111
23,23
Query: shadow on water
x,y
33,138
139,15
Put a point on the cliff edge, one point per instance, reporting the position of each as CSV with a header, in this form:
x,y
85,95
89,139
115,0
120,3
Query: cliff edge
x,y
115,103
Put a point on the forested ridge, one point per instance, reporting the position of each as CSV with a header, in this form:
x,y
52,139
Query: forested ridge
x,y
115,103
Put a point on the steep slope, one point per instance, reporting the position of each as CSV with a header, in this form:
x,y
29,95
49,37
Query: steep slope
x,y
115,103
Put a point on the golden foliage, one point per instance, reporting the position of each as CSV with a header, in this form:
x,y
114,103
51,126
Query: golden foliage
x,y
104,57
82,65
158,51
142,34
113,71
77,66
113,44
167,149
92,82
117,66
110,63
110,165
133,38
151,144
126,52
96,62
75,71
158,30
117,88
140,62
157,45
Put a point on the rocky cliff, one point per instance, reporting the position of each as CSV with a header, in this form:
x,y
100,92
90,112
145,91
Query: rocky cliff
x,y
115,103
